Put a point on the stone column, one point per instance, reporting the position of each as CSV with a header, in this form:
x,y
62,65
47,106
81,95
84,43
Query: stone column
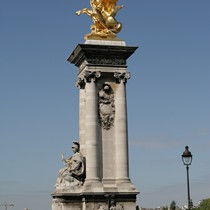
x,y
81,85
91,128
121,129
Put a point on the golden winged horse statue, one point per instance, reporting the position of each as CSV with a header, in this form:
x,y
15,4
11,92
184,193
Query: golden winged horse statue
x,y
103,13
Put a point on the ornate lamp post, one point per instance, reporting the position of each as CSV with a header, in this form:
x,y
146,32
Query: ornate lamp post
x,y
187,160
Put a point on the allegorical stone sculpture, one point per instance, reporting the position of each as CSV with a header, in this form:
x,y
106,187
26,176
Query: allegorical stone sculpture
x,y
113,207
73,174
106,107
103,14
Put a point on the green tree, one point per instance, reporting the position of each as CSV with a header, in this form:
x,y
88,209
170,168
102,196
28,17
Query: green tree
x,y
204,205
173,205
165,208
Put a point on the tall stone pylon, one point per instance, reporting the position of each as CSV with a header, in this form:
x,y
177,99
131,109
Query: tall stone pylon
x,y
103,129
96,176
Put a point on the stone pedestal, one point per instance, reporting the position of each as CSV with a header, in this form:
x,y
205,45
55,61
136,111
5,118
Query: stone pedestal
x,y
102,78
94,201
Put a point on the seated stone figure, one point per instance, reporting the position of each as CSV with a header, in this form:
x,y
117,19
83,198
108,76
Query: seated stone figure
x,y
73,174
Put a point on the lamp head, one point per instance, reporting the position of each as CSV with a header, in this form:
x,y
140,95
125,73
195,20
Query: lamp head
x,y
187,156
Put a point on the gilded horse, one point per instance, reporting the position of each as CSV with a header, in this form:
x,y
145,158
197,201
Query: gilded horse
x,y
103,14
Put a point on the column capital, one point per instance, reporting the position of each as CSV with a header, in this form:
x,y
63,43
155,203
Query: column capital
x,y
87,76
122,77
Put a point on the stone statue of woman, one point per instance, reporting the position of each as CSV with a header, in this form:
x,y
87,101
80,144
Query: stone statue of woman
x,y
73,173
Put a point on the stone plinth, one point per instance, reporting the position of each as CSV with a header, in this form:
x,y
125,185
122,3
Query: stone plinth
x,y
94,201
103,129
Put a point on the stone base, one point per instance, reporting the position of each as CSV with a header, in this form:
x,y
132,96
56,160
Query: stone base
x,y
108,194
94,201
106,42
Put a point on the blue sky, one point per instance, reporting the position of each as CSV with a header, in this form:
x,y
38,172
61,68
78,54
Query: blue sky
x,y
168,97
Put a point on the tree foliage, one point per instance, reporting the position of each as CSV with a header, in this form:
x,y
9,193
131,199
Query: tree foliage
x,y
173,205
204,205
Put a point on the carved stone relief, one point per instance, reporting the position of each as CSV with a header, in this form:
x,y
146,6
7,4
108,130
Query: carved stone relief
x,y
114,207
117,207
122,76
73,173
106,61
87,76
106,107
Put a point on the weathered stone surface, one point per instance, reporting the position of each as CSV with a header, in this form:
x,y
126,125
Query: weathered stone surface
x,y
94,201
103,130
100,55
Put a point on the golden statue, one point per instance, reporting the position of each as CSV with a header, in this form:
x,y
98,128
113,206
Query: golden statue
x,y
103,13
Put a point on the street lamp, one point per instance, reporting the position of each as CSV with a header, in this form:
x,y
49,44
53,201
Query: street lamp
x,y
187,160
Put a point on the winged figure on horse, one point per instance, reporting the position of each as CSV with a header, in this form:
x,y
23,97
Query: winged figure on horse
x,y
103,14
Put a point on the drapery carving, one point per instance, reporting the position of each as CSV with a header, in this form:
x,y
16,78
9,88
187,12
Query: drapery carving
x,y
73,173
106,107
